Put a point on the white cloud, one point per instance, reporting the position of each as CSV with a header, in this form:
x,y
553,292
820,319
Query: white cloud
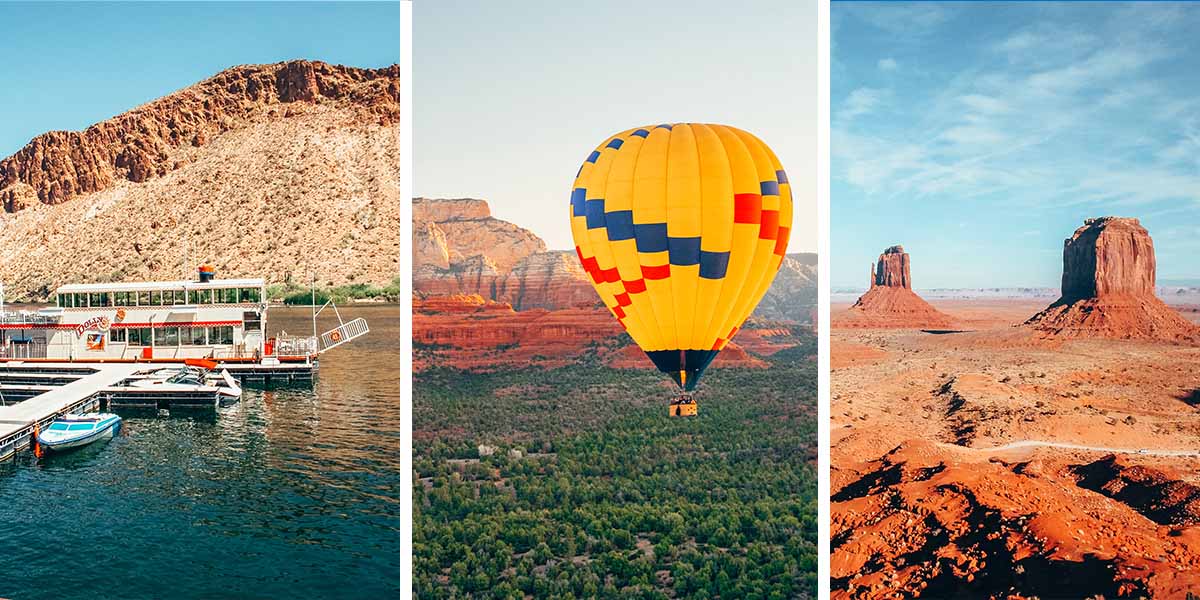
x,y
906,19
860,102
984,104
1048,114
887,64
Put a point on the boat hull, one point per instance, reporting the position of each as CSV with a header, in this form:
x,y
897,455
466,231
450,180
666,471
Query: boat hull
x,y
104,432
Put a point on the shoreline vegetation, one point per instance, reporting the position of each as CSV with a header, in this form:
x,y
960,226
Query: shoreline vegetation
x,y
292,294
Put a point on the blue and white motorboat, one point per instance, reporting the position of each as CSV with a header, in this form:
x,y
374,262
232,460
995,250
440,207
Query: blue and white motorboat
x,y
72,431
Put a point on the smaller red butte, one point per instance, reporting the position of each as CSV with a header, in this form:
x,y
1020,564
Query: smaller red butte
x,y
891,303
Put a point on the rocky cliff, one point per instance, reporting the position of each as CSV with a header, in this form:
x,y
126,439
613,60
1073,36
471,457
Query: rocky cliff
x,y
892,269
793,294
264,170
460,248
890,302
488,295
1108,287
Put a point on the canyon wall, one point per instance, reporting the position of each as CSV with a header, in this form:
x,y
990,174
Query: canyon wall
x,y
281,171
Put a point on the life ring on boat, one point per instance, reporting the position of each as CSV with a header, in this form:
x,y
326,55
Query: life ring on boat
x,y
336,336
120,314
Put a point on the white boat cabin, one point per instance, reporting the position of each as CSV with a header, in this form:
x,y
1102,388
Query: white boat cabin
x,y
222,319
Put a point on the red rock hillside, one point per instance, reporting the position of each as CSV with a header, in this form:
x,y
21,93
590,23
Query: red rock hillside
x,y
274,170
1108,287
460,248
890,302
488,295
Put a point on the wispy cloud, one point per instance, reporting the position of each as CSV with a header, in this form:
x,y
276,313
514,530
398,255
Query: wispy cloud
x,y
887,64
1049,110
860,102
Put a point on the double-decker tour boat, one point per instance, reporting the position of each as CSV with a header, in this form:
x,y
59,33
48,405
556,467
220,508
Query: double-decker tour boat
x,y
221,320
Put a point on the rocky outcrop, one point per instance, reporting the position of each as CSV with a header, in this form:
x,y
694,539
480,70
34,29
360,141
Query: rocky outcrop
x,y
460,248
1108,256
278,171
890,301
548,280
450,232
892,269
793,294
145,142
1108,288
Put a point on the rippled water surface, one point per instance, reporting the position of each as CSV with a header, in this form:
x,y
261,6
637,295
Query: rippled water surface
x,y
290,493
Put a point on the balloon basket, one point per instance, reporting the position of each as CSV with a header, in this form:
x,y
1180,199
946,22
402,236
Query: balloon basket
x,y
683,405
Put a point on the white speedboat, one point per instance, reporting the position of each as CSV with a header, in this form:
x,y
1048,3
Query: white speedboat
x,y
189,379
72,431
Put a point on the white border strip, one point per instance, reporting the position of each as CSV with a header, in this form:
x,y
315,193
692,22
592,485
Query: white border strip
x,y
406,417
823,287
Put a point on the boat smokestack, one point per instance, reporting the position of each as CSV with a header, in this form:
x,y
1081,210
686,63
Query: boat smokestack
x,y
206,273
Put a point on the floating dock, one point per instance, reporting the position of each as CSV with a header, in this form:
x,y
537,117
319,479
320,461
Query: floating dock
x,y
82,394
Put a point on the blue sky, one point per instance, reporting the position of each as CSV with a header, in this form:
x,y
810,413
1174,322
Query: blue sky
x,y
67,66
981,136
510,97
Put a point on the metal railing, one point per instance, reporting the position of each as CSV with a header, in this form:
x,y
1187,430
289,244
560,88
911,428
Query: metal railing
x,y
23,350
26,318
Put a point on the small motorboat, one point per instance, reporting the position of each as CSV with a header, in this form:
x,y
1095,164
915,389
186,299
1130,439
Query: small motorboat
x,y
189,379
72,431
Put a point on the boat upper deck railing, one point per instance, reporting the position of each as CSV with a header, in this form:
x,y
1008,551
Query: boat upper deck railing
x,y
26,318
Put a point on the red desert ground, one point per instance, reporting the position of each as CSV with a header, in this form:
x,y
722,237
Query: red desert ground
x,y
1019,447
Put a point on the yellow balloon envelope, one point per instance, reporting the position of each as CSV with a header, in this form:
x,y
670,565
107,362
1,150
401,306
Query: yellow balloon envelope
x,y
681,229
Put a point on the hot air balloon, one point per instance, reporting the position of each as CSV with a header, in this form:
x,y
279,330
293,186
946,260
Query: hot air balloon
x,y
681,229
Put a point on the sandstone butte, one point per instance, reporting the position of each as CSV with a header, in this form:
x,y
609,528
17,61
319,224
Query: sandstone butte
x,y
890,302
277,170
1108,288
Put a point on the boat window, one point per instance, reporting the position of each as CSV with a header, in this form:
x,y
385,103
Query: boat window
x,y
199,336
80,427
252,321
58,427
117,335
62,300
231,295
143,298
155,298
220,335
141,336
99,299
169,337
180,297
248,294
201,296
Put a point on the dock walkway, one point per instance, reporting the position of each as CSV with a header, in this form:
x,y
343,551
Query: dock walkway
x,y
17,421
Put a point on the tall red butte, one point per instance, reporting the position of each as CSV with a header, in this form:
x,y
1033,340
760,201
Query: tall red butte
x,y
1108,287
891,303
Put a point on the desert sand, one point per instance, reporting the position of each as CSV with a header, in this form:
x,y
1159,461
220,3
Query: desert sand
x,y
1010,459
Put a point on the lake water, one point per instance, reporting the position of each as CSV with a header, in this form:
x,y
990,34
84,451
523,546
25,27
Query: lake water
x,y
290,493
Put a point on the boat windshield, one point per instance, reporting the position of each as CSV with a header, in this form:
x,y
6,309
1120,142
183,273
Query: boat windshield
x,y
189,376
80,427
58,427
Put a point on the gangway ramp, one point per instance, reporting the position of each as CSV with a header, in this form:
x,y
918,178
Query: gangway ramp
x,y
17,421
